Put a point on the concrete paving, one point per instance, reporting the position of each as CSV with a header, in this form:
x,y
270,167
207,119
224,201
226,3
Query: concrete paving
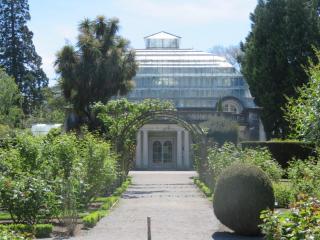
x,y
178,211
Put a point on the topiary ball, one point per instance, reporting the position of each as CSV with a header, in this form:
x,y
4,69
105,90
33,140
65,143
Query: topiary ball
x,y
241,193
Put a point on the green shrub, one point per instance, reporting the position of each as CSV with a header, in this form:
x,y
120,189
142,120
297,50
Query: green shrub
x,y
20,228
100,166
305,177
109,202
207,191
301,222
6,234
241,193
221,129
221,158
284,194
25,198
43,230
92,219
120,190
284,151
38,230
55,176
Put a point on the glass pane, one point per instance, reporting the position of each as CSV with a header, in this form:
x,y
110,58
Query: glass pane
x,y
156,152
167,152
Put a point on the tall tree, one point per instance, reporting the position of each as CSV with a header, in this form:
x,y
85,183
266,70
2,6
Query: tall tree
x,y
275,53
17,52
10,99
100,67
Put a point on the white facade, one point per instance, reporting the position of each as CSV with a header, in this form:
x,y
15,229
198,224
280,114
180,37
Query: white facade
x,y
163,146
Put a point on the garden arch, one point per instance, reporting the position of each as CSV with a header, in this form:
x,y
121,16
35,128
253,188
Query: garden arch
x,y
197,135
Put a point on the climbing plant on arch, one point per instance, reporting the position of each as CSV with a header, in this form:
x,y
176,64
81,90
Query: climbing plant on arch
x,y
122,119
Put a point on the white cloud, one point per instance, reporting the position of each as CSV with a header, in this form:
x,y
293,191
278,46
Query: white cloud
x,y
190,11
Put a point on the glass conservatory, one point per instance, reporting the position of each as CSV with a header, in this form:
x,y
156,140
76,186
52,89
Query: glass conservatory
x,y
195,82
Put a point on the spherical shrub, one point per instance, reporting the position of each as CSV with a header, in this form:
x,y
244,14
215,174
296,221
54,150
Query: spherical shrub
x,y
241,193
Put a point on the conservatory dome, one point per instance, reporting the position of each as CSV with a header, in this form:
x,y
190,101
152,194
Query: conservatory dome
x,y
201,86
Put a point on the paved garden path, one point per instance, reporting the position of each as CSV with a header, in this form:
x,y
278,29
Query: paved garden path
x,y
178,210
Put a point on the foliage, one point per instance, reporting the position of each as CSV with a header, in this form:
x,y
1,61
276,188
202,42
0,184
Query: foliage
x,y
10,235
17,53
52,110
119,126
54,176
29,149
92,219
202,186
305,177
283,194
38,230
43,230
303,112
301,222
25,198
109,202
241,193
283,151
275,51
102,66
100,165
221,158
10,98
221,130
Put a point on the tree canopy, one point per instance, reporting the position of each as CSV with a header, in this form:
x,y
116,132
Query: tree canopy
x,y
10,99
275,53
17,53
303,112
99,67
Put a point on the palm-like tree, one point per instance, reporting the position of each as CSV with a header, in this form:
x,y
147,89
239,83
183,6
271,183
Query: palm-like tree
x,y
99,67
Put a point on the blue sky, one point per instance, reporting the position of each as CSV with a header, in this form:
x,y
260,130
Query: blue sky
x,y
202,24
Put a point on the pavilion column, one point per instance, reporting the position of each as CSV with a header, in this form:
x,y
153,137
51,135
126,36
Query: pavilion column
x,y
138,151
145,148
186,150
179,149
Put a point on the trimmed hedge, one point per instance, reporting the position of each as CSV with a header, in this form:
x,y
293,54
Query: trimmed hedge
x,y
205,189
90,220
284,151
43,230
109,202
241,193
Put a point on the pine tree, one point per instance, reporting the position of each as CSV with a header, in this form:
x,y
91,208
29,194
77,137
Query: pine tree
x,y
275,52
17,53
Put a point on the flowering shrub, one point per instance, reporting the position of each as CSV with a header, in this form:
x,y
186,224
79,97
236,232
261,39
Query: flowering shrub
x,y
220,158
283,194
302,221
26,198
10,235
54,176
305,177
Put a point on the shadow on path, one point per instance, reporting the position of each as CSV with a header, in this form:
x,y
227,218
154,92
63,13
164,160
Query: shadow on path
x,y
232,236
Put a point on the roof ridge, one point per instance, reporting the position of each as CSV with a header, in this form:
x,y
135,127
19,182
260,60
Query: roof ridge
x,y
162,32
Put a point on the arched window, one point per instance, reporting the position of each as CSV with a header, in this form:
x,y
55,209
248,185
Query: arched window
x,y
167,152
231,106
156,152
